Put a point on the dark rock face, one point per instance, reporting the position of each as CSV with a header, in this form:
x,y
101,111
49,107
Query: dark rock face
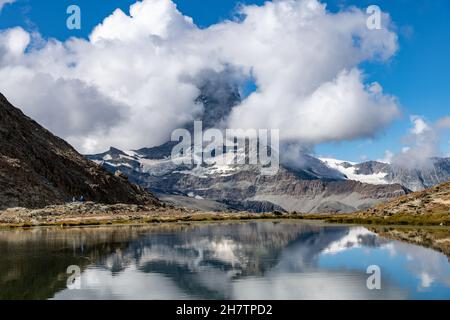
x,y
370,167
39,169
218,98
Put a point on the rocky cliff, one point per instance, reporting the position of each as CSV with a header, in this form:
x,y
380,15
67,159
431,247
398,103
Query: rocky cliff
x,y
39,169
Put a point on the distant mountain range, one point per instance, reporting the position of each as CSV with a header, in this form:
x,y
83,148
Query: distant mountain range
x,y
39,169
242,187
319,185
374,172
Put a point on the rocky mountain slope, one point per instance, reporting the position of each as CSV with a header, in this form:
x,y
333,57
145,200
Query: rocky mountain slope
x,y
39,169
243,187
435,200
320,185
435,172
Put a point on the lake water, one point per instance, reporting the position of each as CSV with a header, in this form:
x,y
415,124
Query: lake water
x,y
251,260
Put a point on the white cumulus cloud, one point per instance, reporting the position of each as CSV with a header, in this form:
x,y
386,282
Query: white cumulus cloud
x,y
137,76
421,143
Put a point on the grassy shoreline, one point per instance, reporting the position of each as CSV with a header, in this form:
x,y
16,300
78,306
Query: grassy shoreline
x,y
396,219
144,218
442,220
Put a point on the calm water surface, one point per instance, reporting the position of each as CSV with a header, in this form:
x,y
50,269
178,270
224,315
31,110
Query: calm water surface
x,y
253,260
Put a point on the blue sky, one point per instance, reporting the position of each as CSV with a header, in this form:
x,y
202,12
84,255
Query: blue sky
x,y
419,74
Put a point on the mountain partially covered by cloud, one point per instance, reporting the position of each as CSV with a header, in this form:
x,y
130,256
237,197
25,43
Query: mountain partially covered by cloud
x,y
138,76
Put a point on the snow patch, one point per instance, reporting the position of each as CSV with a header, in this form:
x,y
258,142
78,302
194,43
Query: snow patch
x,y
350,171
131,153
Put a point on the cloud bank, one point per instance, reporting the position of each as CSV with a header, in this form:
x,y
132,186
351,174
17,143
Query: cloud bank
x,y
136,78
421,144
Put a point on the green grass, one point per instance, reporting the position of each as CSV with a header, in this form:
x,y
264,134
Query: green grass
x,y
435,219
395,219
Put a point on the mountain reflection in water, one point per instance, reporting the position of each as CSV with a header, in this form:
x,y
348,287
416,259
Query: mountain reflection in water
x,y
251,260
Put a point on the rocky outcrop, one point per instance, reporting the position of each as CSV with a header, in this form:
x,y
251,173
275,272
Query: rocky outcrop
x,y
39,169
435,200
